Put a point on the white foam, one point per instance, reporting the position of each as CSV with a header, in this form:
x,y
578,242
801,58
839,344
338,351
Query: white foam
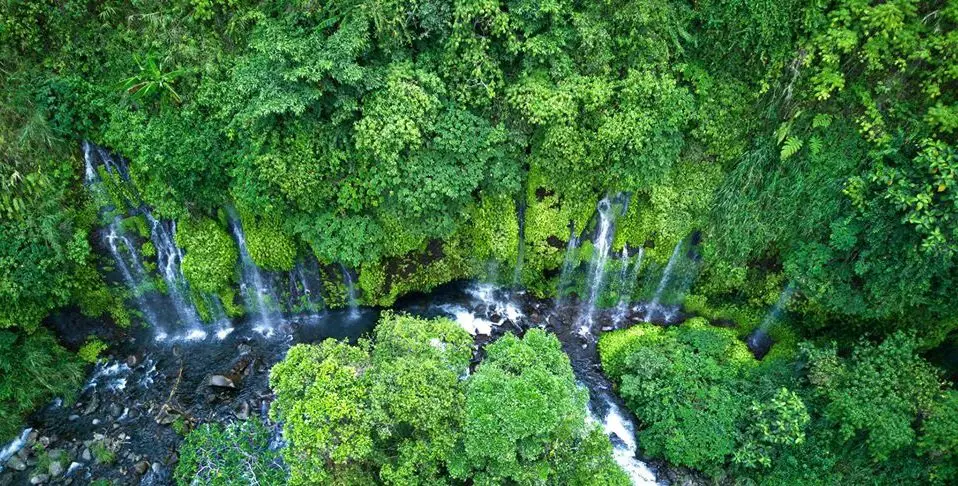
x,y
472,323
624,452
113,376
195,335
14,446
223,332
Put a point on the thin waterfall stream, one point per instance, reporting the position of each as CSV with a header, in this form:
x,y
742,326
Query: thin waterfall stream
x,y
656,304
597,267
259,296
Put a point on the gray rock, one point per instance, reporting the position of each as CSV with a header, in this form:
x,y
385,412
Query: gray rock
x,y
55,469
39,479
86,455
242,412
16,463
221,381
92,406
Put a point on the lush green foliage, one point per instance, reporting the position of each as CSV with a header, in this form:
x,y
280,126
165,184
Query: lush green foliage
x,y
807,142
878,415
211,254
35,369
401,412
239,452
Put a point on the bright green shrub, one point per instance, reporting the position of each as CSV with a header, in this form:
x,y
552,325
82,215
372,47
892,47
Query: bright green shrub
x,y
210,256
90,351
872,398
686,385
269,245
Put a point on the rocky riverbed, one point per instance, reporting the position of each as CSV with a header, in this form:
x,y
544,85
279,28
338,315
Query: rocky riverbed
x,y
129,419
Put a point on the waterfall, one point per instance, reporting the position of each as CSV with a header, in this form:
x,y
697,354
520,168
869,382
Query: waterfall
x,y
568,265
666,276
302,295
628,277
350,292
168,260
520,252
758,341
600,256
253,286
133,282
90,176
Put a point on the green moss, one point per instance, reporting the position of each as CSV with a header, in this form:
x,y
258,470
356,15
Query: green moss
x,y
493,228
210,254
102,454
90,351
270,246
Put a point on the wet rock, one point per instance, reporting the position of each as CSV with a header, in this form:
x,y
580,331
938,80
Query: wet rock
x,y
221,381
157,468
86,455
55,469
244,348
39,479
141,467
16,463
74,467
32,438
44,441
115,410
96,422
242,412
73,417
131,360
92,406
167,415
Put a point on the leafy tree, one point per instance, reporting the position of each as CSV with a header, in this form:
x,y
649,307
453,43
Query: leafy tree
x,y
217,455
546,415
875,395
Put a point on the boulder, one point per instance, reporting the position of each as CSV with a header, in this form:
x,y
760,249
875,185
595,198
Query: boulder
x,y
242,411
221,381
16,463
55,469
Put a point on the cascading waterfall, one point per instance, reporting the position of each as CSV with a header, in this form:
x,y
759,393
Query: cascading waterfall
x,y
302,292
655,305
600,256
568,265
169,258
350,293
133,281
90,176
758,341
168,255
629,274
253,285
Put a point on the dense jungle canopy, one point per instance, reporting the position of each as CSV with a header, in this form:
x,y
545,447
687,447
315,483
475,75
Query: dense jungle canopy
x,y
405,144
